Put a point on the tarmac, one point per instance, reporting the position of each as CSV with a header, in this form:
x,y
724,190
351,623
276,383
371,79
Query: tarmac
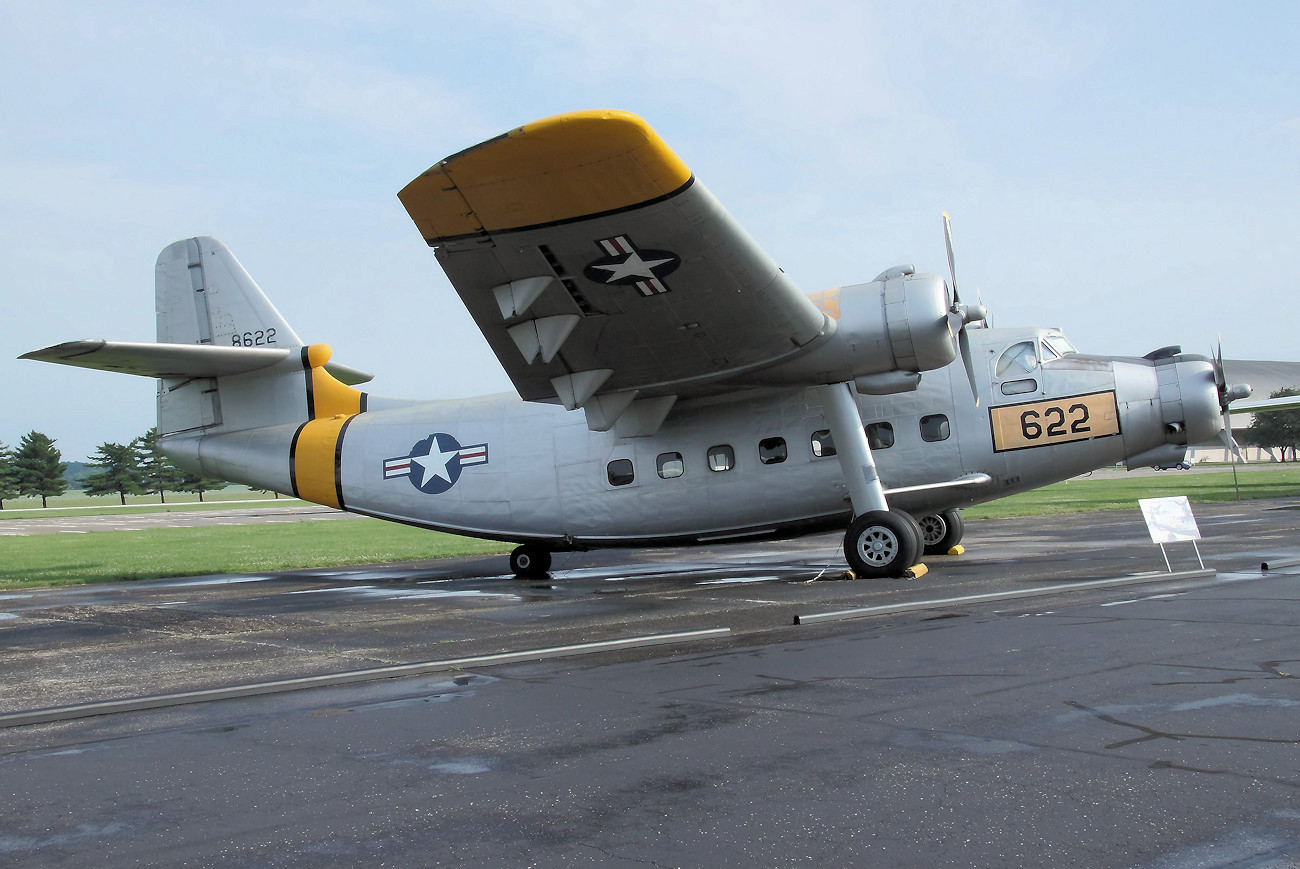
x,y
950,720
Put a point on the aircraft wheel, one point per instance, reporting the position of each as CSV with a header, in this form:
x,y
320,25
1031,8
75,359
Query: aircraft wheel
x,y
881,543
940,532
529,561
916,529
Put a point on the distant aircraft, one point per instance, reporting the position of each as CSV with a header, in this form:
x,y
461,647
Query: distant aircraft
x,y
674,385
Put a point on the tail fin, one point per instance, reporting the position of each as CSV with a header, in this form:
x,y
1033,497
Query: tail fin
x,y
203,296
239,395
220,338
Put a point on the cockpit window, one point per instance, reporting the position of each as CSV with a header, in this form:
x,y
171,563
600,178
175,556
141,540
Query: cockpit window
x,y
1058,343
1017,359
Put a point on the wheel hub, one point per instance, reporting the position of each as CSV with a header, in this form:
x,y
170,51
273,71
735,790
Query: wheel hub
x,y
878,545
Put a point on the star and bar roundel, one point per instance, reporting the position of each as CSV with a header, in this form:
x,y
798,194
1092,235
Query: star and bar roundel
x,y
434,464
625,264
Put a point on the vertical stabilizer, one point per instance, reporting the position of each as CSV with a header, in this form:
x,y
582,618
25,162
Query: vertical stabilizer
x,y
203,296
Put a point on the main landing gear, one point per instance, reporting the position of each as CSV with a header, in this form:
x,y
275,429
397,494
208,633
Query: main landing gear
x,y
882,543
940,532
530,561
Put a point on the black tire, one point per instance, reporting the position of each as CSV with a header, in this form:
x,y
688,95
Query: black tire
x,y
940,532
530,562
881,543
916,529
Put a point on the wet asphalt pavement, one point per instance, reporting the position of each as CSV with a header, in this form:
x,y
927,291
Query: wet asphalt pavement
x,y
1152,724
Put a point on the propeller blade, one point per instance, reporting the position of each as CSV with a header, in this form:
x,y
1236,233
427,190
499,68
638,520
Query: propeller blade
x,y
1232,446
952,266
963,344
959,315
1220,379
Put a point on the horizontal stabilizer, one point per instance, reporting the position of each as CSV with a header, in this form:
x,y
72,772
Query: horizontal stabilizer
x,y
174,361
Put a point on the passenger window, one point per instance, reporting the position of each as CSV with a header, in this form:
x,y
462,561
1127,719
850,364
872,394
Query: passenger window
x,y
772,451
721,458
1017,359
1019,387
670,465
934,428
620,472
822,445
880,435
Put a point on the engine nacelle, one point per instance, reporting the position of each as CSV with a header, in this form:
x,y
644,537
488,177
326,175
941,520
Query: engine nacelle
x,y
898,323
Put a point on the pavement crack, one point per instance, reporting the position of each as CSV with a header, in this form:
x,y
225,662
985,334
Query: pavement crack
x,y
1271,670
614,856
1169,764
1150,733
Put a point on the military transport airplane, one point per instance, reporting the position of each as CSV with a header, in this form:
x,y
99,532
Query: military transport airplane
x,y
674,385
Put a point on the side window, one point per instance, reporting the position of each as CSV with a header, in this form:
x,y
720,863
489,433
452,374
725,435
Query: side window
x,y
1019,387
772,451
620,472
1017,359
934,427
670,465
722,458
880,435
822,445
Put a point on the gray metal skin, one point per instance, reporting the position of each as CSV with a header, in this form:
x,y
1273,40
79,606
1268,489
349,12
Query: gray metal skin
x,y
545,480
534,472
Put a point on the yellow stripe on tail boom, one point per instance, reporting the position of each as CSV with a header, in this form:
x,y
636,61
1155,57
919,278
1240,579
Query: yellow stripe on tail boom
x,y
317,446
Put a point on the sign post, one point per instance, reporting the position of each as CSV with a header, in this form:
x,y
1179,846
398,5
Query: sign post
x,y
1170,520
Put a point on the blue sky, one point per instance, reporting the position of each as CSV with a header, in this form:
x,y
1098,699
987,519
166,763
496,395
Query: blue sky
x,y
1128,172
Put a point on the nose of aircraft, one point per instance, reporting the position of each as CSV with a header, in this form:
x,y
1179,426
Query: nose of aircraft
x,y
1189,401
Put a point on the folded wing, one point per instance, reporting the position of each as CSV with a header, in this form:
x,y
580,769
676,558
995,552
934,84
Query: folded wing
x,y
601,272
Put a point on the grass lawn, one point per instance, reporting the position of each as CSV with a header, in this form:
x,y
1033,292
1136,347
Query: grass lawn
x,y
74,503
1114,493
59,559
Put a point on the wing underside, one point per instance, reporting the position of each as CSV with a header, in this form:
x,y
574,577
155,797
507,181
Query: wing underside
x,y
601,272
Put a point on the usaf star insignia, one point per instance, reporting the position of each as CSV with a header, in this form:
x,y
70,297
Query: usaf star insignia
x,y
434,464
624,264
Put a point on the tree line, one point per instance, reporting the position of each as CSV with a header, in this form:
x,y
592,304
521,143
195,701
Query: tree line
x,y
1279,428
36,469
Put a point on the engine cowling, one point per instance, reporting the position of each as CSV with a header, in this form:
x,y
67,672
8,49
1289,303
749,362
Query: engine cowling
x,y
887,332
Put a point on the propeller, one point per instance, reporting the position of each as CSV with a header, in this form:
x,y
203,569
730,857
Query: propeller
x,y
960,316
1227,395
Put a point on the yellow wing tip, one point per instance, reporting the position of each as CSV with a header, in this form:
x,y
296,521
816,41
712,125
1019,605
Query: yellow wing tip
x,y
560,168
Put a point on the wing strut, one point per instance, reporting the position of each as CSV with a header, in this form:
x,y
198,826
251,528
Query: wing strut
x,y
879,542
859,468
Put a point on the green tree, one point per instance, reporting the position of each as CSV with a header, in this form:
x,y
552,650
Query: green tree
x,y
1276,428
157,473
199,485
39,468
8,475
119,471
